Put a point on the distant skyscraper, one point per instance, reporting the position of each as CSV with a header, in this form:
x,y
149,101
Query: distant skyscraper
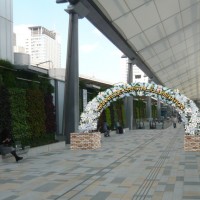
x,y
124,69
138,74
41,44
6,30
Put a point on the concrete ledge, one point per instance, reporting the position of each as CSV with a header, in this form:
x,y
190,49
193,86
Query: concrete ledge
x,y
85,140
192,143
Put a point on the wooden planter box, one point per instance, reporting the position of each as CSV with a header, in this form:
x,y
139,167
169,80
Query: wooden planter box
x,y
85,140
192,143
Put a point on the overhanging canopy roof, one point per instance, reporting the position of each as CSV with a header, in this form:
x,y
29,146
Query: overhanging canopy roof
x,y
162,36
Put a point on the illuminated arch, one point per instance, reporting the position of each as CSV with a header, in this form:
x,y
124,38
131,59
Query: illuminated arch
x,y
186,107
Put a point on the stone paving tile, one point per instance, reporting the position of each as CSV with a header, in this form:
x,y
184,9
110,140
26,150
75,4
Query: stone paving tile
x,y
11,197
147,164
46,187
101,196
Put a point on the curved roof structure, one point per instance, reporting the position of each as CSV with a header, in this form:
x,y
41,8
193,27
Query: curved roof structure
x,y
161,36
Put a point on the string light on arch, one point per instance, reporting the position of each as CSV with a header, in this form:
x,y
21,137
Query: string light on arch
x,y
186,107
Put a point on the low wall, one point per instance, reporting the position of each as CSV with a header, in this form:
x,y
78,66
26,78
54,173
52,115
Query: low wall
x,y
85,140
192,143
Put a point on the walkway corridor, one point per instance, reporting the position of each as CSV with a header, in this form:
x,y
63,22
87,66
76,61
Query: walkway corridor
x,y
139,164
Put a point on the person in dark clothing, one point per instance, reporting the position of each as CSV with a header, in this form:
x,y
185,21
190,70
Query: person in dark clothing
x,y
174,121
6,141
106,129
119,128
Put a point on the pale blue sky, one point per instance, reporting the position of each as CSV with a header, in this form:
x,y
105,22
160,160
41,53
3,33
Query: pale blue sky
x,y
98,57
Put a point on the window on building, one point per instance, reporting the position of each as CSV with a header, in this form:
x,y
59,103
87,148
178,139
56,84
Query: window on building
x,y
137,76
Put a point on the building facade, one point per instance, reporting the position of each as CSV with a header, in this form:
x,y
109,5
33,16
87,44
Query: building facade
x,y
41,44
138,75
6,30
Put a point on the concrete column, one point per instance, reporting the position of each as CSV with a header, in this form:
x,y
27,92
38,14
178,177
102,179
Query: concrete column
x,y
71,91
130,72
148,108
158,109
128,101
57,106
134,120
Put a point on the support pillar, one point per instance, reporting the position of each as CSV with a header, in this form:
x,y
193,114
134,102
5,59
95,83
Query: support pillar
x,y
129,100
57,107
158,109
134,119
148,108
71,91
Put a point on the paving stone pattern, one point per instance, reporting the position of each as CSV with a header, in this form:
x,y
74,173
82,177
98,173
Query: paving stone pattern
x,y
136,165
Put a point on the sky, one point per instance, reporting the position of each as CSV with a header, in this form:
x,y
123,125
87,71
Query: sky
x,y
98,57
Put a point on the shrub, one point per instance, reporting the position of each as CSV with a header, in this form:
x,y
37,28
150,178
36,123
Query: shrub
x,y
6,63
108,117
50,121
20,127
36,112
5,115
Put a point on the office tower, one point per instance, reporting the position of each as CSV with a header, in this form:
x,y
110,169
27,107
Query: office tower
x,y
6,30
138,74
41,44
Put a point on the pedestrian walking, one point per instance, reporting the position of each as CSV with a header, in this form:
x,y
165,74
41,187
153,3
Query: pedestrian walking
x,y
6,144
174,121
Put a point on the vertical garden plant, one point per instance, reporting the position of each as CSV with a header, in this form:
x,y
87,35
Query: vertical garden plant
x,y
19,115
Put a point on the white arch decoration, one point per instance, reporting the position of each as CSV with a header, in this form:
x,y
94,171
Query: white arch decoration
x,y
186,107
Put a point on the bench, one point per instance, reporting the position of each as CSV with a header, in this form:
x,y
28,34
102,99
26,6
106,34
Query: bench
x,y
19,150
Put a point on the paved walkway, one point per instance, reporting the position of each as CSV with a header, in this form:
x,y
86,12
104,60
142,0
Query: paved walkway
x,y
139,164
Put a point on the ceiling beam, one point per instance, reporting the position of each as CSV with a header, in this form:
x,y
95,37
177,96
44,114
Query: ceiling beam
x,y
99,20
